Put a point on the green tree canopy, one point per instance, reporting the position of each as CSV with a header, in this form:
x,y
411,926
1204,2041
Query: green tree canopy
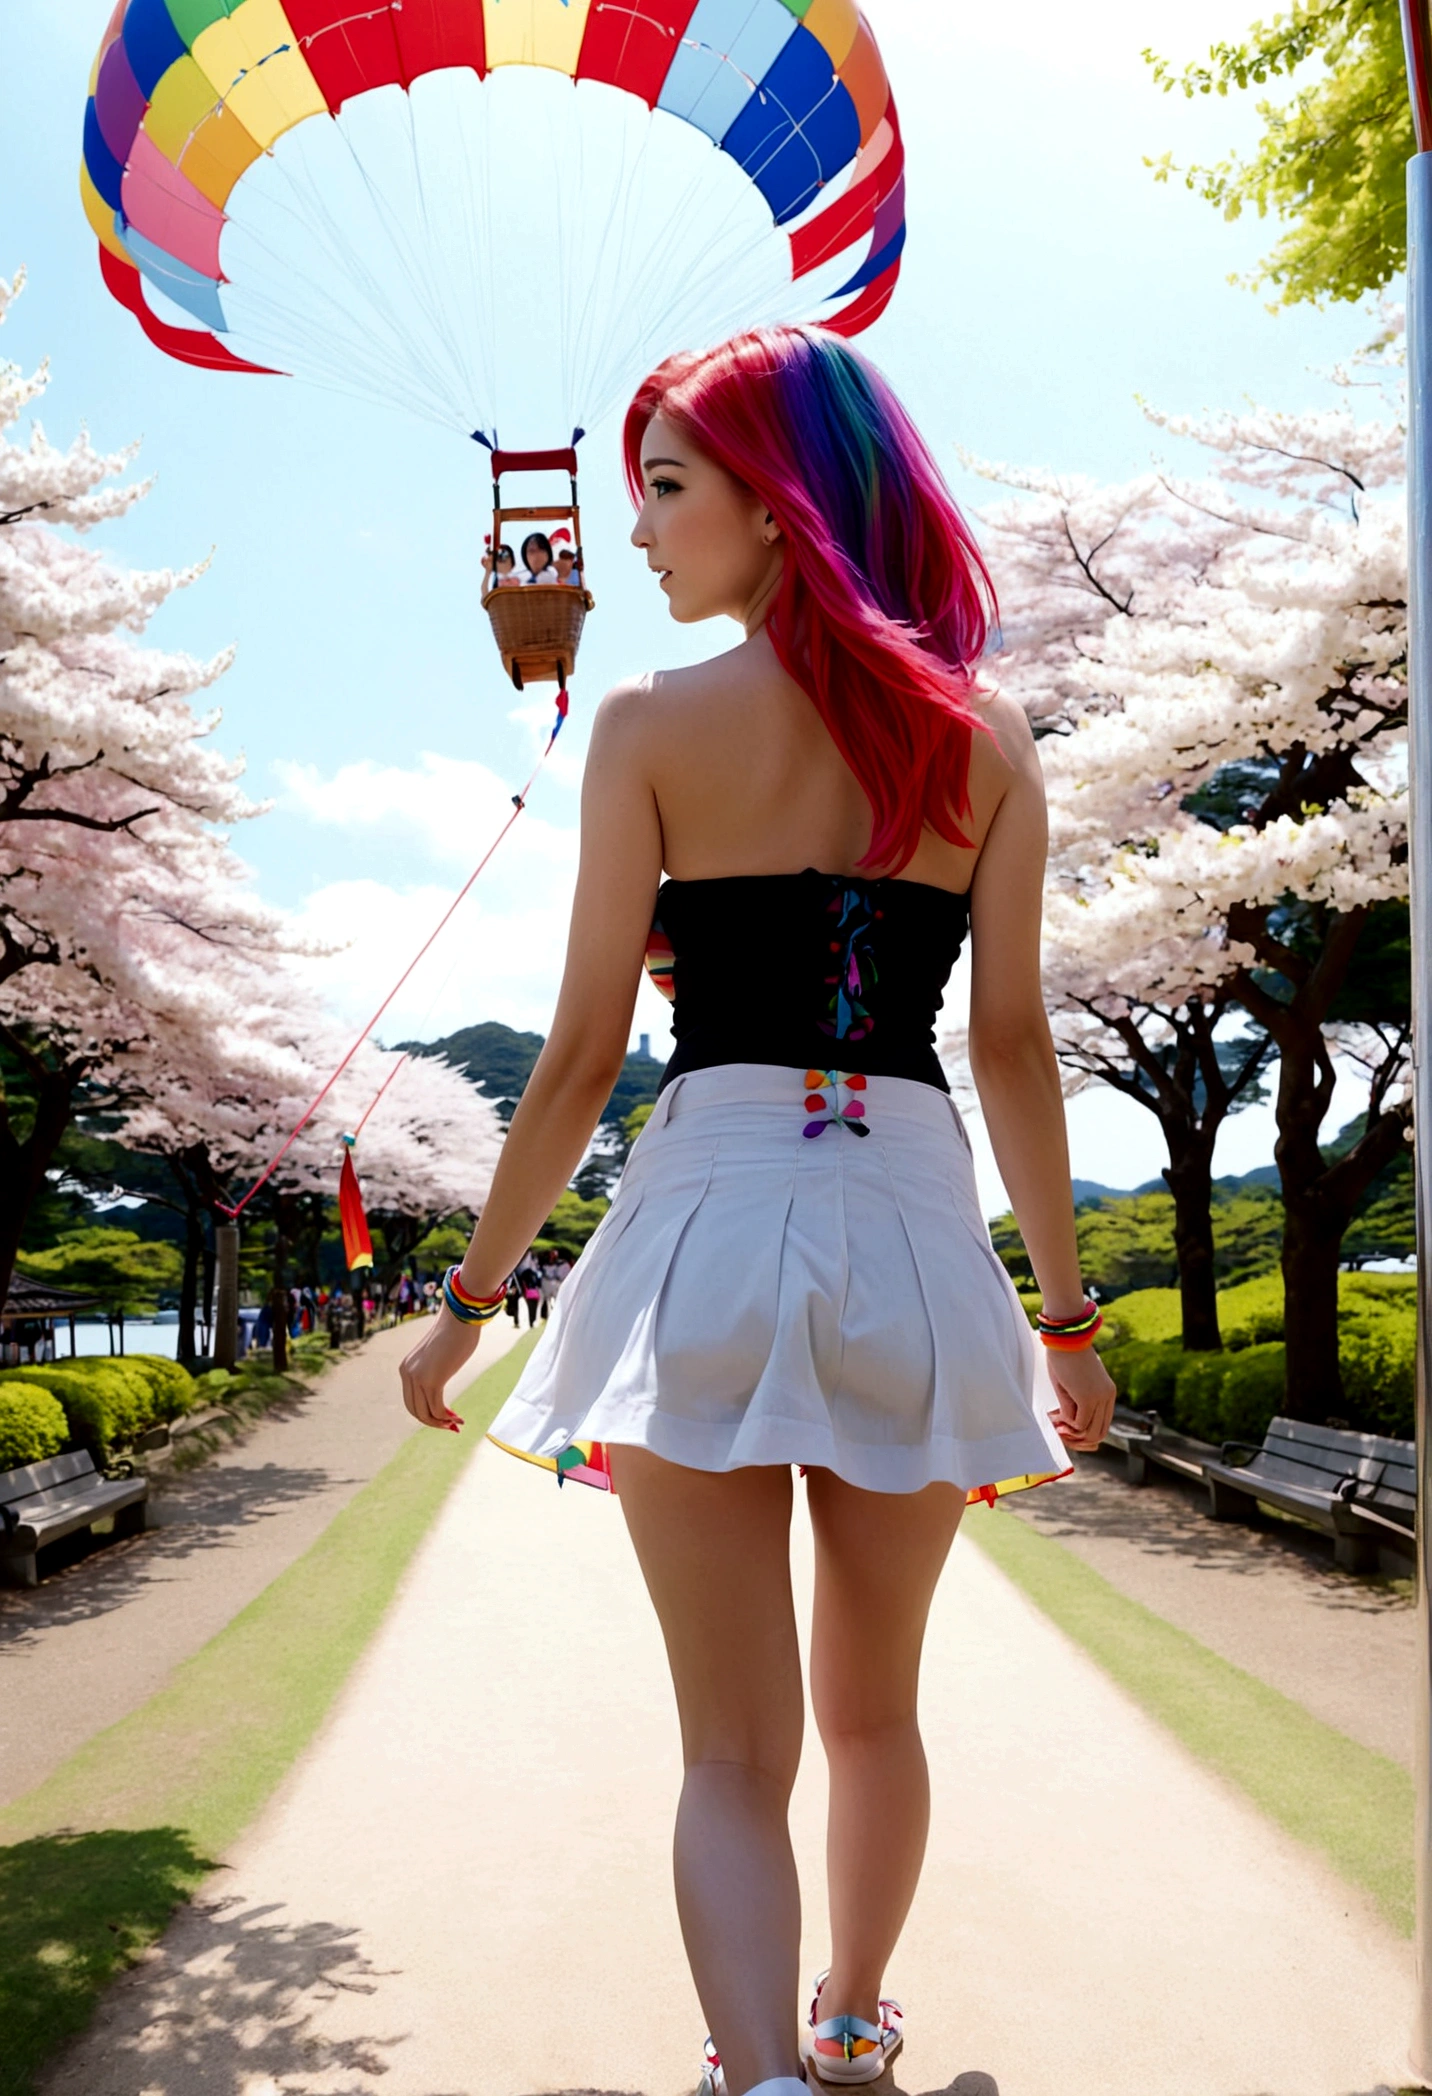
x,y
126,1271
572,1221
1332,159
1126,1240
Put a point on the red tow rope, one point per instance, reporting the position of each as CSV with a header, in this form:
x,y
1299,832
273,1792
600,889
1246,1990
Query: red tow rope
x,y
519,802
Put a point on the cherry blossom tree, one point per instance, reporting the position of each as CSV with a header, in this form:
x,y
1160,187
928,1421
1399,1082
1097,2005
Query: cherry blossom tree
x,y
139,971
220,1104
116,888
1217,668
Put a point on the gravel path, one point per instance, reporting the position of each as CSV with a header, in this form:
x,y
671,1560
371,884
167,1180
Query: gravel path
x,y
1270,1600
463,1887
97,1639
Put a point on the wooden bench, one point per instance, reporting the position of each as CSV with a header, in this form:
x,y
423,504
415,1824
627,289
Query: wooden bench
x,y
1358,1488
44,1501
1142,1438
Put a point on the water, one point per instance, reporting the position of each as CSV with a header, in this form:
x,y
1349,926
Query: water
x,y
142,1335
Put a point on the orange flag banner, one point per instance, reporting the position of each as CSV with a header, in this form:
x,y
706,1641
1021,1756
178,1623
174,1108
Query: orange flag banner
x,y
357,1244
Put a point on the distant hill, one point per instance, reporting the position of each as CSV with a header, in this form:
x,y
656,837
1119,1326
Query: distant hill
x,y
1095,1190
499,1061
1229,1182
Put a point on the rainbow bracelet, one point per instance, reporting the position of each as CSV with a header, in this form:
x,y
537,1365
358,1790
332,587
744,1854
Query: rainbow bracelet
x,y
1069,1335
470,1309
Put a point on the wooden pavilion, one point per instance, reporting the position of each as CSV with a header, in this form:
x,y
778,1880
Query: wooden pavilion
x,y
28,1318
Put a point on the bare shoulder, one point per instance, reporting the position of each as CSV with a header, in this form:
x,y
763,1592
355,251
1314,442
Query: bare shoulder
x,y
666,712
1009,747
624,707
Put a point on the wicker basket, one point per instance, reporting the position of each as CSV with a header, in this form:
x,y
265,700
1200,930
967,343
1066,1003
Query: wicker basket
x,y
537,629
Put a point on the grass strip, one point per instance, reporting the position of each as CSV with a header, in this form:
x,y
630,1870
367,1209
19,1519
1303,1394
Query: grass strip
x,y
100,1854
1340,1798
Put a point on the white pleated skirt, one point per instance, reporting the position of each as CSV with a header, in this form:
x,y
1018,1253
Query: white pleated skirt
x,y
758,1294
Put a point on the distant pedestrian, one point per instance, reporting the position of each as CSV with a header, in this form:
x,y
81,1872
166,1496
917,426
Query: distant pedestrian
x,y
529,1280
514,1299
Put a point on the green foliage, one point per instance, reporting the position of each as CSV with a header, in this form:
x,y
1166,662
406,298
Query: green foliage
x,y
1231,1396
1145,1372
1252,1392
76,1908
572,1222
1248,1313
173,1389
641,1074
91,1167
1384,1224
500,1061
1128,1243
1126,1240
1377,1344
125,1271
1333,156
32,1425
109,1401
636,1120
444,1246
1197,1390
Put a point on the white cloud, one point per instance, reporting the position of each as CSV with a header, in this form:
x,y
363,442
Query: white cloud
x,y
451,807
501,955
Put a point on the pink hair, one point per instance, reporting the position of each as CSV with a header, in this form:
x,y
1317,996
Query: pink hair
x,y
885,602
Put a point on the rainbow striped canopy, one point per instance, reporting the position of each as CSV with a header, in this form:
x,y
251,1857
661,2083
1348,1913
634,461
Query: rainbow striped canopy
x,y
213,125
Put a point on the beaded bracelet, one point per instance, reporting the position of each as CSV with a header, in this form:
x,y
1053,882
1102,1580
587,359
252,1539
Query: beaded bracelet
x,y
1070,1335
470,1309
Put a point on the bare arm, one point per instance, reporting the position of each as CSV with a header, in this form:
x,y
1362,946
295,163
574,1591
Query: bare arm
x,y
617,880
1014,1067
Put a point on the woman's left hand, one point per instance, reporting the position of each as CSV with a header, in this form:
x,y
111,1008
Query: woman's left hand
x,y
1086,1397
426,1372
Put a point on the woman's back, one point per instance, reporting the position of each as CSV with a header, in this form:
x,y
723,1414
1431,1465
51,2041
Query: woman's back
x,y
765,1292
748,779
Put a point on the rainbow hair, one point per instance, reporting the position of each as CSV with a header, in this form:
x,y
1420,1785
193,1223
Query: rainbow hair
x,y
885,603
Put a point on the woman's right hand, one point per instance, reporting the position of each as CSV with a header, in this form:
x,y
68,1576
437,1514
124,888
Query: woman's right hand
x,y
1086,1395
443,1352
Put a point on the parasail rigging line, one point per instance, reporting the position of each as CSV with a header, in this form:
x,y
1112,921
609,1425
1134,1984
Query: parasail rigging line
x,y
519,802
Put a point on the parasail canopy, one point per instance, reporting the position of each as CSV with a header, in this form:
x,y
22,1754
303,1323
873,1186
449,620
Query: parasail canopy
x,y
464,205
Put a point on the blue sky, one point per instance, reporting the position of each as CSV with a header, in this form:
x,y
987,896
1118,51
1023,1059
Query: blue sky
x,y
1048,281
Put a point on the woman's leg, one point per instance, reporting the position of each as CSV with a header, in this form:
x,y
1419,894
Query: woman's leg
x,y
715,1553
878,1558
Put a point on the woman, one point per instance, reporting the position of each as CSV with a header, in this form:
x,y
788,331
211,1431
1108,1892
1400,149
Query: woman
x,y
795,1270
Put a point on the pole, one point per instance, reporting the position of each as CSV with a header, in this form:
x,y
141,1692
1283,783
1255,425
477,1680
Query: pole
x,y
1416,26
226,1315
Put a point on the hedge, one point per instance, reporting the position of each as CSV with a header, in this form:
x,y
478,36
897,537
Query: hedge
x,y
32,1426
110,1400
1232,1395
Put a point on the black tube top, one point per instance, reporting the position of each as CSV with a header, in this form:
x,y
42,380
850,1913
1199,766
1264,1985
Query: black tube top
x,y
806,970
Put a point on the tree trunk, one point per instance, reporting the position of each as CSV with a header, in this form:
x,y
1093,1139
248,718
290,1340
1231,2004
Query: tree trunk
x,y
278,1300
1312,1240
23,1164
402,1234
1189,1174
189,1284
207,1263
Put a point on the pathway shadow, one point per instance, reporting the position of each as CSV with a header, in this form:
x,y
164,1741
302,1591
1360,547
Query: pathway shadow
x,y
74,1910
202,1510
230,1987
1167,1518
